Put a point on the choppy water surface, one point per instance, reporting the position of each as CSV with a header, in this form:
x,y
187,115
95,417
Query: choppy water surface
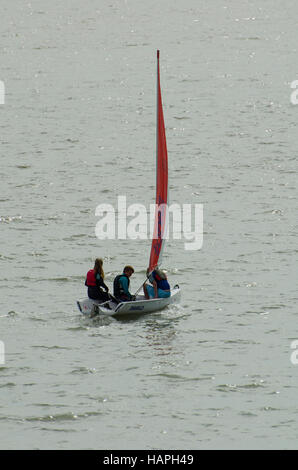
x,y
78,129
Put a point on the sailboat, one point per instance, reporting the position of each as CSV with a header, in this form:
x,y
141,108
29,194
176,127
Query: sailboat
x,y
142,305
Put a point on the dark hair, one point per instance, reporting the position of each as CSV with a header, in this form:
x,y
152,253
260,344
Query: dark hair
x,y
128,268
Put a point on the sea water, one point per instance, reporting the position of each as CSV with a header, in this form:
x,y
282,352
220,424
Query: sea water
x,y
77,129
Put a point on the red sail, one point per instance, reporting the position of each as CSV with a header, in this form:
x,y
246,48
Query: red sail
x,y
161,183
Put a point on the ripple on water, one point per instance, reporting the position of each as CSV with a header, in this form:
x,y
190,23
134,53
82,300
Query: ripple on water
x,y
180,377
83,370
8,219
60,417
239,388
8,384
50,347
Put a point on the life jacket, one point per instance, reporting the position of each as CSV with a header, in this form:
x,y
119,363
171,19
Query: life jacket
x,y
118,289
161,283
90,279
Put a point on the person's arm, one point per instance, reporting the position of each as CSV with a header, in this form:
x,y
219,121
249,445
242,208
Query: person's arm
x,y
105,286
100,283
155,289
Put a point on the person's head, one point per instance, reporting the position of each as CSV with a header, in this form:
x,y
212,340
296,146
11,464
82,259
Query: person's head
x,y
160,273
128,270
98,267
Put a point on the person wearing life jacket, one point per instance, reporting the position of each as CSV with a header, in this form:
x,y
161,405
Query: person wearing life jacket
x,y
160,286
95,282
121,285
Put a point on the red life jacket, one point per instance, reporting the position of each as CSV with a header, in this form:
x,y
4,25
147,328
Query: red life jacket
x,y
91,281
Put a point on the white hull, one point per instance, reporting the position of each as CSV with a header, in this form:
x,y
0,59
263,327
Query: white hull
x,y
139,306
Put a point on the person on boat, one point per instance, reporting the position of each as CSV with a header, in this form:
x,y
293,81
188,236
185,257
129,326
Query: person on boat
x,y
95,282
160,287
121,285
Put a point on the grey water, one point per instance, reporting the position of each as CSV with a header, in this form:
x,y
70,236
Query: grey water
x,y
77,129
